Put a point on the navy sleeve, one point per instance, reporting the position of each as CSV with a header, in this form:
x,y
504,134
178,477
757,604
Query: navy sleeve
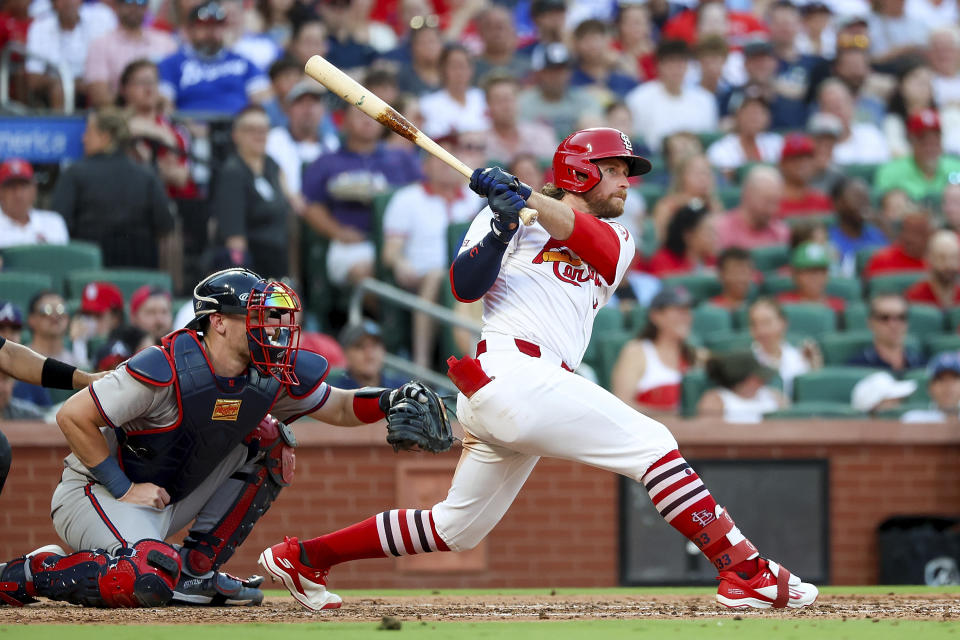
x,y
474,271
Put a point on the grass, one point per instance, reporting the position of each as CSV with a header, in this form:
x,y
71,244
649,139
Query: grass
x,y
749,629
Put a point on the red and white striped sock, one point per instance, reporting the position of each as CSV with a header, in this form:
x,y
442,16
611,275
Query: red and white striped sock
x,y
399,532
683,500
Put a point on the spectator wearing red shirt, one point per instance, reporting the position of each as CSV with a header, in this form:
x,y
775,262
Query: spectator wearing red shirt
x,y
684,25
943,266
908,251
809,264
635,42
690,245
736,273
797,168
754,223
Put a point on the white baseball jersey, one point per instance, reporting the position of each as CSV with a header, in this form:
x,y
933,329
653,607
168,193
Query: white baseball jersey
x,y
545,293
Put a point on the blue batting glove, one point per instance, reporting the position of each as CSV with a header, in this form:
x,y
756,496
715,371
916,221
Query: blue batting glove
x,y
506,205
484,180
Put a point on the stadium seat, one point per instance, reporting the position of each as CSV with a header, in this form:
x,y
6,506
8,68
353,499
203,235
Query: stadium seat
x,y
651,192
838,348
941,342
769,259
701,286
127,280
695,383
378,208
729,197
919,399
863,257
607,351
455,235
774,284
846,288
709,319
953,318
55,261
797,221
723,342
893,283
855,317
648,244
18,287
608,319
707,138
925,320
833,384
864,171
815,409
810,320
637,318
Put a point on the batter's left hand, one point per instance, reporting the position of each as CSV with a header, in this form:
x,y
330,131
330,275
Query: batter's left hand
x,y
505,203
484,180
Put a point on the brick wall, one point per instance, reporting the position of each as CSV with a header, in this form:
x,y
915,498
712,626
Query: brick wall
x,y
562,529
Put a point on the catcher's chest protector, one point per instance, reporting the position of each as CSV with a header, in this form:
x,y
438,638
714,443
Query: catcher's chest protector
x,y
212,421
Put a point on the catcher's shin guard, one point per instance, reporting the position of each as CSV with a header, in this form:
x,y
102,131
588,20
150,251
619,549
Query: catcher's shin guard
x,y
209,550
140,576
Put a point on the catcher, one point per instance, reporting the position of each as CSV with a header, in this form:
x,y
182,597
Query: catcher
x,y
183,433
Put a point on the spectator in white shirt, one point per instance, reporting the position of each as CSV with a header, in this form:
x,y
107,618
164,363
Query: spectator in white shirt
x,y
664,106
750,141
861,142
298,144
415,229
508,134
63,38
944,58
457,104
944,390
20,223
894,33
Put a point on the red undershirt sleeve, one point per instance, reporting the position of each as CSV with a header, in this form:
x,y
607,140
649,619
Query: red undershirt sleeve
x,y
596,243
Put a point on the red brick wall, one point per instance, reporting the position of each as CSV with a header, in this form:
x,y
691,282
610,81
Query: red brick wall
x,y
562,530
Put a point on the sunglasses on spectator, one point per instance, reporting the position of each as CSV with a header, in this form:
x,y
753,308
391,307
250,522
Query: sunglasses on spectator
x,y
51,310
211,13
419,22
853,41
889,317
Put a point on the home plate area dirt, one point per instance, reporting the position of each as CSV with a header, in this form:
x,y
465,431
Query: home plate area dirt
x,y
495,607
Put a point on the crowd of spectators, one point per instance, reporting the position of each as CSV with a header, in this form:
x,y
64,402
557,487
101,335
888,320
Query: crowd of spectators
x,y
823,129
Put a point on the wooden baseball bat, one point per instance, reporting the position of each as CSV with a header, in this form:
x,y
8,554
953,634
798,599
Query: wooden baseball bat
x,y
362,98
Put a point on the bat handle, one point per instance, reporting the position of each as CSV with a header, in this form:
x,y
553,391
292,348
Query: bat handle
x,y
528,215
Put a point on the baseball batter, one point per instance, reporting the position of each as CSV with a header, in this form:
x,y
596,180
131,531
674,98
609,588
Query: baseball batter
x,y
541,287
181,434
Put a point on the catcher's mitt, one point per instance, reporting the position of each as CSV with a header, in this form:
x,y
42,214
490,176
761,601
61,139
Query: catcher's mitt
x,y
417,418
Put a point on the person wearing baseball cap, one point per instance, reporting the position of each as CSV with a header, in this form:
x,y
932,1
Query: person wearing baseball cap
x,y
364,351
101,311
20,222
11,321
809,265
879,392
552,100
742,395
825,129
649,369
927,170
797,168
943,387
151,311
750,141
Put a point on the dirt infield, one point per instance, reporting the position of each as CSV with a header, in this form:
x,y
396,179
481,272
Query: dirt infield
x,y
495,607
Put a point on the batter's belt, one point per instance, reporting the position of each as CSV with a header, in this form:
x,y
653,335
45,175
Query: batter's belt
x,y
506,343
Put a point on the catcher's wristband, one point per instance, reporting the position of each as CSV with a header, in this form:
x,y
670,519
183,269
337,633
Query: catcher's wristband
x,y
56,374
370,404
110,475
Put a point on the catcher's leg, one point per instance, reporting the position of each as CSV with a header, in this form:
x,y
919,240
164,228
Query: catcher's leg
x,y
6,456
485,484
227,518
142,575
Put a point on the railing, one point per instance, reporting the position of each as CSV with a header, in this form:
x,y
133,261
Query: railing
x,y
62,69
413,302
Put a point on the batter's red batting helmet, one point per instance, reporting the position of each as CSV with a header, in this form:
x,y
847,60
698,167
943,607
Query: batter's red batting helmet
x,y
580,150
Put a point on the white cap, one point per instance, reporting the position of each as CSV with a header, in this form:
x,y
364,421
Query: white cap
x,y
877,387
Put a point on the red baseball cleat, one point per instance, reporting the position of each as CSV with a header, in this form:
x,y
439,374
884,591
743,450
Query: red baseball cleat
x,y
773,587
306,584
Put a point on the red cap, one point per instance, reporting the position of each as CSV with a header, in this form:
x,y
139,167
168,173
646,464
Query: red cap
x,y
926,120
796,145
100,297
15,169
144,293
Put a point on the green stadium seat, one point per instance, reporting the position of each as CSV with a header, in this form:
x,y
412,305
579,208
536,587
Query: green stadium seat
x,y
833,384
709,319
651,192
863,257
723,342
939,343
768,259
855,317
127,280
455,235
838,348
925,320
893,283
810,320
729,196
701,286
378,208
695,383
864,171
55,261
799,221
607,351
919,399
953,318
608,319
846,288
774,284
637,318
648,243
707,138
815,409
19,287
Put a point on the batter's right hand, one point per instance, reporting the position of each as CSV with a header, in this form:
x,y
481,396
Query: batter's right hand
x,y
146,494
505,203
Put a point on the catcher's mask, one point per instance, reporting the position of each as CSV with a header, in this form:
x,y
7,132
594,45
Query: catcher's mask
x,y
272,330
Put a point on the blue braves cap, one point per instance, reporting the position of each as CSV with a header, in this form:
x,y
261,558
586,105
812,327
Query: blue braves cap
x,y
948,362
10,315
